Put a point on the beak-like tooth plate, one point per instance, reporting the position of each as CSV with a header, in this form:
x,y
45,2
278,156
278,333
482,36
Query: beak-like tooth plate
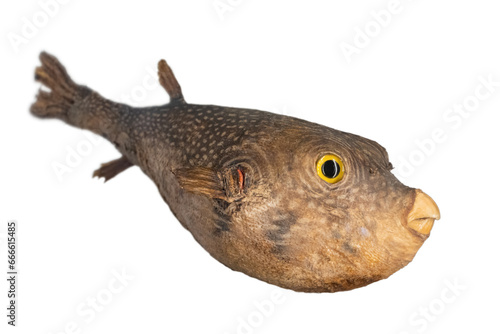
x,y
424,212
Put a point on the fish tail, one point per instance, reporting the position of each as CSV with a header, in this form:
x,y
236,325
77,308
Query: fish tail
x,y
81,107
64,93
74,104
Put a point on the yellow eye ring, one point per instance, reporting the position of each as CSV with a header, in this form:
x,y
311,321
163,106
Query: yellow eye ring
x,y
330,168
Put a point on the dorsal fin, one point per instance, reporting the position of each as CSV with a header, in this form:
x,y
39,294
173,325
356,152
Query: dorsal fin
x,y
170,83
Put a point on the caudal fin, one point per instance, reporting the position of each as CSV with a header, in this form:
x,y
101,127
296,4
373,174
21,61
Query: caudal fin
x,y
63,94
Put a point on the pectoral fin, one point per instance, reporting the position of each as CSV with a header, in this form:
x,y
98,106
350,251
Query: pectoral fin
x,y
228,184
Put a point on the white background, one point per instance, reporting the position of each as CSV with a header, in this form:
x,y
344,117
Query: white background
x,y
282,56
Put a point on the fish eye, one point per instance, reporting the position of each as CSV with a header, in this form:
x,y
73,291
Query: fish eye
x,y
330,168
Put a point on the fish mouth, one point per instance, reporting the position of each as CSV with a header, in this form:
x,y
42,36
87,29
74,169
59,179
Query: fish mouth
x,y
423,213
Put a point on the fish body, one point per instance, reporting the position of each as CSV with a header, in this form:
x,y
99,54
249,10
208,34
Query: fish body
x,y
287,201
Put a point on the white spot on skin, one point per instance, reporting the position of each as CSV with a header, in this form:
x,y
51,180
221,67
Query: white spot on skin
x,y
364,232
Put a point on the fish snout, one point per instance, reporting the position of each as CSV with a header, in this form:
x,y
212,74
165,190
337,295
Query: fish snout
x,y
423,213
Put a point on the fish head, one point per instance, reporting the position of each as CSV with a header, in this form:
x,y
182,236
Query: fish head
x,y
336,214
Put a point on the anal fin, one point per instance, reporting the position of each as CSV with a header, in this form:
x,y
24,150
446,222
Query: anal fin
x,y
110,169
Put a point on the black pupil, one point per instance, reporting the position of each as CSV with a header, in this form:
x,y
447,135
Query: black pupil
x,y
330,169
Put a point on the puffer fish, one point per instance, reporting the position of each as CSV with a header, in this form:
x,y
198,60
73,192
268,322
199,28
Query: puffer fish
x,y
289,202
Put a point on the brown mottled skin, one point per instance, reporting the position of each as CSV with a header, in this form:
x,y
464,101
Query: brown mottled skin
x,y
244,183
